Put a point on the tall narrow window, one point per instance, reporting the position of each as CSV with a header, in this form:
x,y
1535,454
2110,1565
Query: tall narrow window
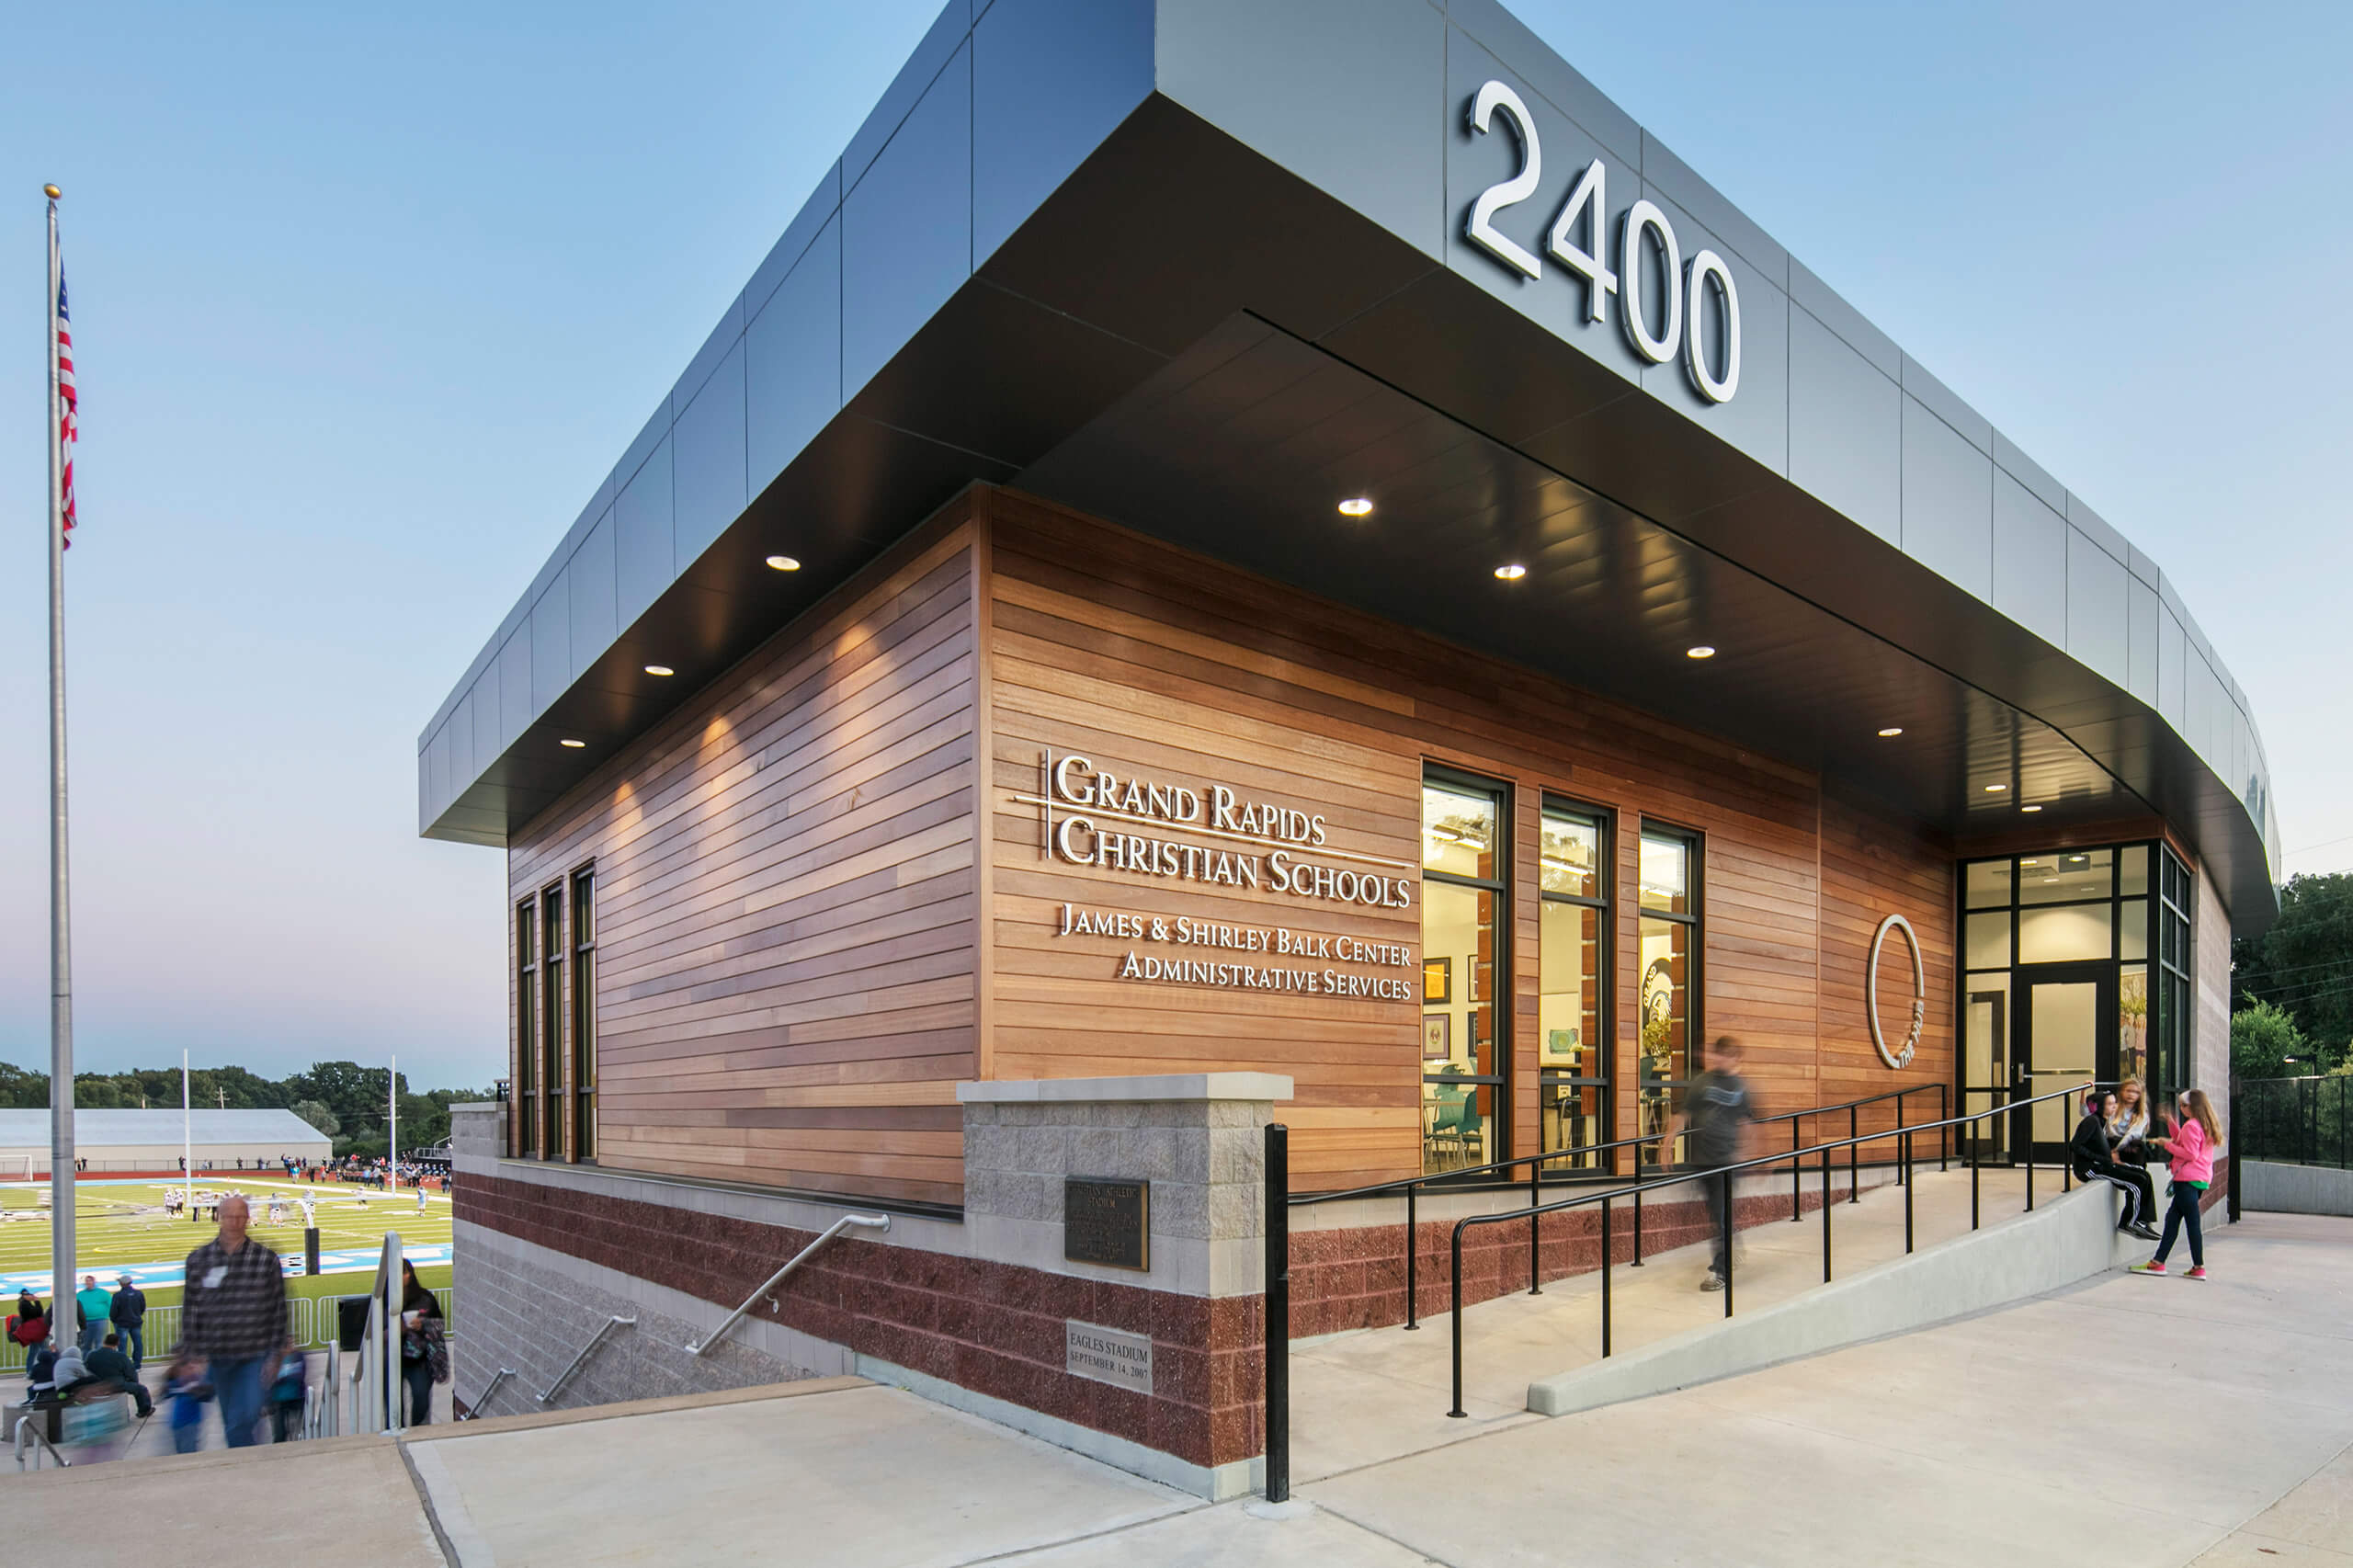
x,y
584,1013
1667,996
523,1115
2173,1065
1572,967
1463,975
551,1019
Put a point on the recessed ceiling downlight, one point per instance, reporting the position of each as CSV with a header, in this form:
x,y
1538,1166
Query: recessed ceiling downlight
x,y
1357,506
1891,731
1511,572
1698,651
1995,789
660,670
2030,808
783,563
568,741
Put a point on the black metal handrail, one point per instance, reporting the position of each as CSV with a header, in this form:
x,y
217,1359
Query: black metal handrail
x,y
1411,1185
1534,1213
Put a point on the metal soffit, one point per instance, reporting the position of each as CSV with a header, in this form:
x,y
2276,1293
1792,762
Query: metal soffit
x,y
1241,446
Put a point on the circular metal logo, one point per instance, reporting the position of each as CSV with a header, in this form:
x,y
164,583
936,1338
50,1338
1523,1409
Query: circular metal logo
x,y
1903,1058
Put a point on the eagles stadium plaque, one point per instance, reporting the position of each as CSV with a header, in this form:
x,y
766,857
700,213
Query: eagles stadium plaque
x,y
1106,1221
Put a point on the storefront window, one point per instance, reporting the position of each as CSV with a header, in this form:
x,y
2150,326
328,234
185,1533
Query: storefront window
x,y
1463,973
2070,927
1668,932
1573,1040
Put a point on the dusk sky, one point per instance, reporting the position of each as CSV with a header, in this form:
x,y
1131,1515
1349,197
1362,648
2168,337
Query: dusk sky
x,y
367,302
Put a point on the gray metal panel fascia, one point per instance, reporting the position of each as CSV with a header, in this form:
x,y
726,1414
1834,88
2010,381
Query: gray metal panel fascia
x,y
1810,293
938,44
1845,429
1732,229
785,254
1948,501
1343,92
1941,401
1508,38
1050,80
714,348
2030,473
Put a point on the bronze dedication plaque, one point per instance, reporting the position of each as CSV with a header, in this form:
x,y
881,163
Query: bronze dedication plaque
x,y
1106,1221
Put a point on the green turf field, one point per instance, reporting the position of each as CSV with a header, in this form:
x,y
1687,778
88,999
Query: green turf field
x,y
119,1226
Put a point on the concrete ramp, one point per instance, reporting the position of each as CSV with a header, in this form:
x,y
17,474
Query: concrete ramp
x,y
2066,1238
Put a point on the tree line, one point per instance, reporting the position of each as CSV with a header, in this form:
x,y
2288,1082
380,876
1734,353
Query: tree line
x,y
2291,988
343,1099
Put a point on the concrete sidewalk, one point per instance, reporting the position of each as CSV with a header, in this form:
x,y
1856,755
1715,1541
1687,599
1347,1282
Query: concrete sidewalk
x,y
2038,1433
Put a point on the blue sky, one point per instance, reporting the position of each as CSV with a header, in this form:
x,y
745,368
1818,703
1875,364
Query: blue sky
x,y
368,301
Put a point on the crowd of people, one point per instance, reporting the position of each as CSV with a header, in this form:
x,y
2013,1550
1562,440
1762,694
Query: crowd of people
x,y
235,1350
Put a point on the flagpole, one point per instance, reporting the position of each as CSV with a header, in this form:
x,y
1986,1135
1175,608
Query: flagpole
x,y
61,962
187,1145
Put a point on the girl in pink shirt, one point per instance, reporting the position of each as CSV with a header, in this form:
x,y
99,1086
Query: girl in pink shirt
x,y
2197,1139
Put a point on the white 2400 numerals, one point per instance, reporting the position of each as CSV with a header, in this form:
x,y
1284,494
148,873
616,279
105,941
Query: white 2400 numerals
x,y
1585,213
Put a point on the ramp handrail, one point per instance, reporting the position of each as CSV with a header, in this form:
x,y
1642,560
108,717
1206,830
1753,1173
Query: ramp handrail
x,y
1411,1185
616,1321
864,1221
1534,1213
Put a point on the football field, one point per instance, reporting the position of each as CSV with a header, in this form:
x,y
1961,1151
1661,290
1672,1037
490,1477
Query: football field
x,y
121,1225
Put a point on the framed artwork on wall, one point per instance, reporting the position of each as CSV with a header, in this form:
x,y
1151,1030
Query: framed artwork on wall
x,y
1437,1040
1438,981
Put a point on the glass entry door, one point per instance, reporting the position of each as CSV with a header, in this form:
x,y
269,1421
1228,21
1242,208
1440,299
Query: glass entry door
x,y
2058,1043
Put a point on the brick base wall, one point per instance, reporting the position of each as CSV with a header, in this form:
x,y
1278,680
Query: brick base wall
x,y
995,1328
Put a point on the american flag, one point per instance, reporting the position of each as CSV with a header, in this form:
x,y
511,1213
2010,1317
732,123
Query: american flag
x,y
67,407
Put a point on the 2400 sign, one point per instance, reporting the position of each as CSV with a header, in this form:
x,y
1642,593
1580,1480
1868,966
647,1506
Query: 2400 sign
x,y
1578,239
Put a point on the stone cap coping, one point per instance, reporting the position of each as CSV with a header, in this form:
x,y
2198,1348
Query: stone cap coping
x,y
1155,1086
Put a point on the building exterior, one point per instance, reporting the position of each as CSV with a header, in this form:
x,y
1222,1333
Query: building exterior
x,y
151,1141
1285,560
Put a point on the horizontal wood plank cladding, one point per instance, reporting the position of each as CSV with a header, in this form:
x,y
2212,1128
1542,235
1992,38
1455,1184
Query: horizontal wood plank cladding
x,y
1163,667
788,911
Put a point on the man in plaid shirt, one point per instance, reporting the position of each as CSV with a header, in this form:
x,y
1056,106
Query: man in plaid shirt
x,y
232,1319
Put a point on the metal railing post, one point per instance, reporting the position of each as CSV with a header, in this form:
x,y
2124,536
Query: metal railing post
x,y
1457,1412
1535,1223
1605,1278
1904,1149
1854,1158
1976,1163
1825,1216
1797,1174
1730,1187
1413,1258
1638,1221
1276,1310
1903,1171
1944,1133
2231,1198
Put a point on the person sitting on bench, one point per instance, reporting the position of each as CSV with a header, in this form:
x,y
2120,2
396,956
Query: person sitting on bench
x,y
2090,1152
107,1370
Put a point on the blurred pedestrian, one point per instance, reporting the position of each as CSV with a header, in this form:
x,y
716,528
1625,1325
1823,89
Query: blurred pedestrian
x,y
127,1312
287,1393
1716,1110
185,1386
232,1319
425,1346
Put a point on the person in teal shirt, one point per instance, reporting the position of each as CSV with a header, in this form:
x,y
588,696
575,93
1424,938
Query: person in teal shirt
x,y
95,1304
